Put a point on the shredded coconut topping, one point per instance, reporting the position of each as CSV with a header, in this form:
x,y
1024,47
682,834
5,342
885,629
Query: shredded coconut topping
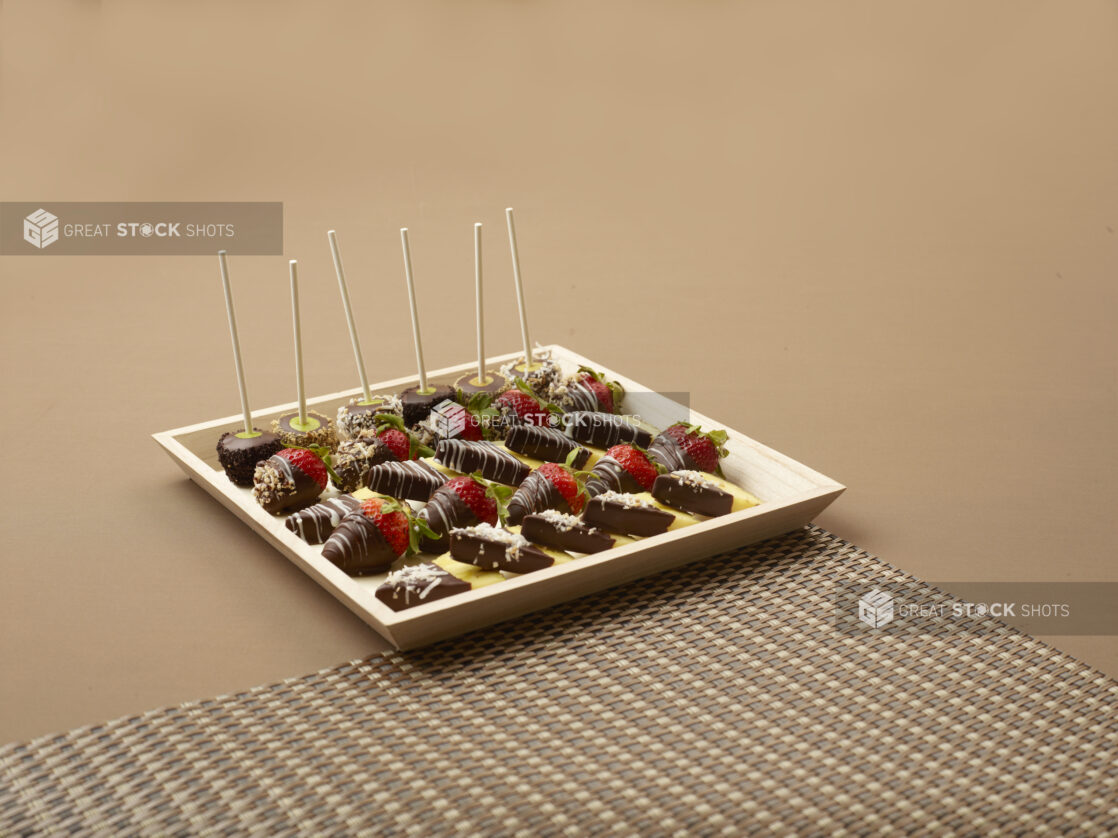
x,y
560,520
697,479
624,499
488,532
416,576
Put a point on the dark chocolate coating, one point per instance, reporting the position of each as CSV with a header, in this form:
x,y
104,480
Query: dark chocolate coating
x,y
535,494
670,454
418,407
603,430
578,539
609,475
381,404
577,397
495,555
315,523
497,384
634,520
548,444
239,456
355,457
295,488
409,480
355,417
443,512
672,490
400,592
358,547
544,373
493,462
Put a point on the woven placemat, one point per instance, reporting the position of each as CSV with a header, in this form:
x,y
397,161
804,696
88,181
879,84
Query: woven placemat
x,y
715,699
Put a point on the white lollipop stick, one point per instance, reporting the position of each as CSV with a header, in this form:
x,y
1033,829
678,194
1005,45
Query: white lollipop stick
x,y
414,311
333,236
519,290
480,319
236,341
298,344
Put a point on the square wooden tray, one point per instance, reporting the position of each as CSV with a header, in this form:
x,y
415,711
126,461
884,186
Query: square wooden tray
x,y
791,494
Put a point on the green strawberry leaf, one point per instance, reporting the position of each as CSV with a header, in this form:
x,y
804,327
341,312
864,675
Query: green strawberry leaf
x,y
499,492
523,387
618,394
418,528
417,449
479,402
383,421
719,439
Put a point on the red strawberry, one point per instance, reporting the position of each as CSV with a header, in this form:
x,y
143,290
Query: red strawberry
x,y
704,448
636,462
476,496
390,431
480,414
608,393
563,480
397,441
525,407
600,391
307,462
394,524
472,431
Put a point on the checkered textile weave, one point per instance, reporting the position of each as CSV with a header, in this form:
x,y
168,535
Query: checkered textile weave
x,y
719,698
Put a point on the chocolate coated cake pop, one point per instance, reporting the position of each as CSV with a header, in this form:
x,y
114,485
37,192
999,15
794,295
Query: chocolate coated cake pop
x,y
318,430
239,453
417,406
360,415
470,385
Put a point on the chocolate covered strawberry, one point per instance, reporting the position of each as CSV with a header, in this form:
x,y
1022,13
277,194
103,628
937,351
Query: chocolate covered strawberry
x,y
467,419
551,486
522,406
625,468
684,446
588,390
370,538
289,479
391,431
461,502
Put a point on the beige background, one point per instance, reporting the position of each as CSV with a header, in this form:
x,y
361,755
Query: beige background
x,y
879,236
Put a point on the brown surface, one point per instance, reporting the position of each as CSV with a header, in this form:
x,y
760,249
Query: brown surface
x,y
896,221
709,723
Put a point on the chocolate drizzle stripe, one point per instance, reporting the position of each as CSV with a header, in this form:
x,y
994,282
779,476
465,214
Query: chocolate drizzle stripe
x,y
535,494
357,546
315,524
603,430
442,513
491,461
670,454
548,444
409,480
609,475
